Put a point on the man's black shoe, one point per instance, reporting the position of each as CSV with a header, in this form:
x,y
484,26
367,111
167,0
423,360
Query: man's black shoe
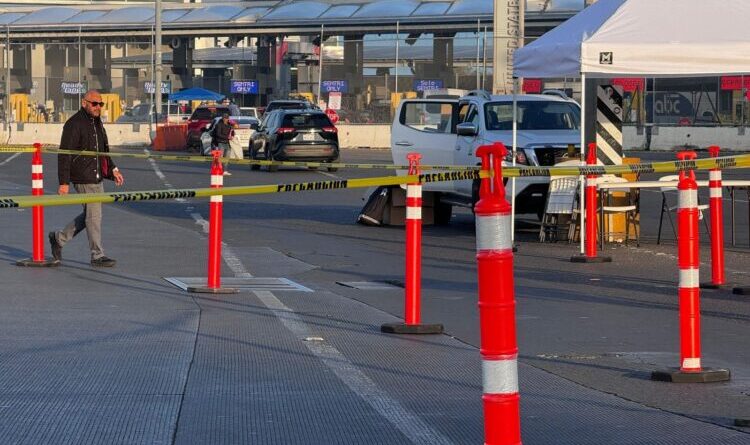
x,y
103,262
56,247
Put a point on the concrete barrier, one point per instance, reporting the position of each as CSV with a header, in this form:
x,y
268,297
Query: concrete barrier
x,y
119,135
364,135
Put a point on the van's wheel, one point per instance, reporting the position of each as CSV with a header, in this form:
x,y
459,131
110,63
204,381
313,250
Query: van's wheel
x,y
443,213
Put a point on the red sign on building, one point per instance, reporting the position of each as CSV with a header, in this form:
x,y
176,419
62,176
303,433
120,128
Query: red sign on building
x,y
532,86
630,84
734,82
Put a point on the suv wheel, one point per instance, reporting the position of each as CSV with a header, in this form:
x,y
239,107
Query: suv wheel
x,y
269,157
253,155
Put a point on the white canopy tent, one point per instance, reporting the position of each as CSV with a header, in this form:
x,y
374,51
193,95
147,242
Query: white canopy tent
x,y
644,38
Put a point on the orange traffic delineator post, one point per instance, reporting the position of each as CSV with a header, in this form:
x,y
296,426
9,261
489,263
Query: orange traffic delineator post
x,y
213,283
497,305
37,216
590,255
716,204
413,283
691,369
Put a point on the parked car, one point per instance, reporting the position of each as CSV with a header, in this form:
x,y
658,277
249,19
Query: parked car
x,y
201,117
249,111
143,113
290,104
448,132
247,126
295,135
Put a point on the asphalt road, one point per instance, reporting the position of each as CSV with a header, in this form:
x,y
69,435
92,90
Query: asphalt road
x,y
601,326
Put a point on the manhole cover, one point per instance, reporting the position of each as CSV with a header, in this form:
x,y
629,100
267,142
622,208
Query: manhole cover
x,y
243,284
369,285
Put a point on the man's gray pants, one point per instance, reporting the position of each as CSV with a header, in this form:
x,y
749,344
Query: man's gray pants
x,y
90,219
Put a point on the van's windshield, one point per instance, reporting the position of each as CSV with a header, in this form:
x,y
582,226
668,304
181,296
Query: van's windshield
x,y
533,115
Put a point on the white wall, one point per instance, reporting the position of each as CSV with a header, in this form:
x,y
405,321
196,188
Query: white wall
x,y
668,138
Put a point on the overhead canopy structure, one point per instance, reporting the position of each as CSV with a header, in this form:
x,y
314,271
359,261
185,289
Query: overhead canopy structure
x,y
270,16
651,38
196,94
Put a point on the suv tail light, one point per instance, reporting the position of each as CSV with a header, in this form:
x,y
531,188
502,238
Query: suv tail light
x,y
285,130
330,129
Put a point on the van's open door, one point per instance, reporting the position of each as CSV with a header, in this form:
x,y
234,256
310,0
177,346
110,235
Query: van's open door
x,y
427,127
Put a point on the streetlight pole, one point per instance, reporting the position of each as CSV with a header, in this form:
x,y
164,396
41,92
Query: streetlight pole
x,y
157,62
320,64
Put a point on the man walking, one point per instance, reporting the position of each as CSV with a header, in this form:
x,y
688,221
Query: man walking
x,y
222,132
84,131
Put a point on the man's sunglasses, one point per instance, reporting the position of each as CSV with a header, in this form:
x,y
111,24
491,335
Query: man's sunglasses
x,y
94,103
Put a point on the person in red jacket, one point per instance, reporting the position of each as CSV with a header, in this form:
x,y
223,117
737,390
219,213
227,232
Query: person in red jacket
x,y
84,131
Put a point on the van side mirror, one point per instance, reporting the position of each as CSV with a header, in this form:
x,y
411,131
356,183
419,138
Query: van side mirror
x,y
467,129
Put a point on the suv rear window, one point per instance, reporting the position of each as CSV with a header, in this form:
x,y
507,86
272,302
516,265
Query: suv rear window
x,y
208,113
306,121
288,106
533,115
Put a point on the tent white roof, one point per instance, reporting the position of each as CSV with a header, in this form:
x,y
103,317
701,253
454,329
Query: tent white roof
x,y
652,38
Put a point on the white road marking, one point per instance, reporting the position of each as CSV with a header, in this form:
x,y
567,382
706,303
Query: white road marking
x,y
15,155
411,425
232,260
330,175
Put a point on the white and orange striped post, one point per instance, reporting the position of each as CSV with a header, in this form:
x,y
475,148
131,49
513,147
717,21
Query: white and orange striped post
x,y
497,305
213,281
691,369
37,215
716,208
413,283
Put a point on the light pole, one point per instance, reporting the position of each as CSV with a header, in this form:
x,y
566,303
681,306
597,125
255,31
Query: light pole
x,y
157,62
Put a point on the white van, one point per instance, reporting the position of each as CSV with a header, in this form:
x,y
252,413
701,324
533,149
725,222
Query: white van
x,y
448,132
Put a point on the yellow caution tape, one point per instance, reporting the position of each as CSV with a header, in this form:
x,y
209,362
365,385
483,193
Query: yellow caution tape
x,y
17,149
152,195
724,162
188,158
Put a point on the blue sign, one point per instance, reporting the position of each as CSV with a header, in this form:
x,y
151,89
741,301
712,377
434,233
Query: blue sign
x,y
335,86
427,84
244,87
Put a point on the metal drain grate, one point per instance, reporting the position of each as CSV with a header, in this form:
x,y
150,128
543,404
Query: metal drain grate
x,y
243,284
370,285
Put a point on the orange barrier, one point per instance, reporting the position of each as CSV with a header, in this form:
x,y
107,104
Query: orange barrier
x,y
170,137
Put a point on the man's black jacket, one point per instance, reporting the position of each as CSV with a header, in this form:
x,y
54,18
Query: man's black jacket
x,y
83,132
222,132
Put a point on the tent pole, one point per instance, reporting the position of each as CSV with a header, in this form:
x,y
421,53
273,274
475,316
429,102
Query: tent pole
x,y
581,180
513,161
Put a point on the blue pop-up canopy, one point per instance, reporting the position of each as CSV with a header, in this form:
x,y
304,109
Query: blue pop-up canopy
x,y
195,94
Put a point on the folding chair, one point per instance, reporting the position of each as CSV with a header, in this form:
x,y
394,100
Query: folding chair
x,y
559,208
666,208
